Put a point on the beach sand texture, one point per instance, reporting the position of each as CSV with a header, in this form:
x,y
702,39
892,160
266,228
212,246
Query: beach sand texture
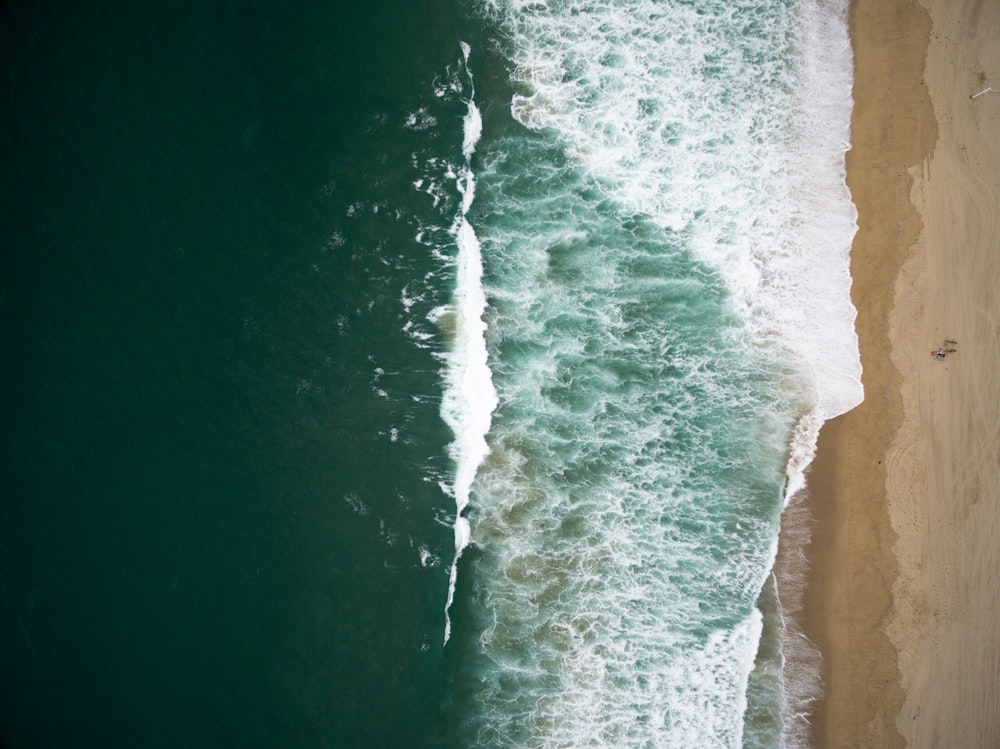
x,y
904,599
944,464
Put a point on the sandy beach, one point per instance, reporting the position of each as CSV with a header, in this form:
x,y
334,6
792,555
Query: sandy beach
x,y
904,593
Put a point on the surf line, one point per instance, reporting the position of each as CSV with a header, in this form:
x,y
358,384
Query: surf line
x,y
469,398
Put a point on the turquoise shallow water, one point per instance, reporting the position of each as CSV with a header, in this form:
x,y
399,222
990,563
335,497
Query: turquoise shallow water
x,y
665,228
625,515
252,370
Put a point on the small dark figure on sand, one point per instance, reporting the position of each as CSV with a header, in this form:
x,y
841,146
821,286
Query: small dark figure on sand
x,y
941,353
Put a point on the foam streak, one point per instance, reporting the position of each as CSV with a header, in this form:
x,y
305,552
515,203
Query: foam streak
x,y
469,398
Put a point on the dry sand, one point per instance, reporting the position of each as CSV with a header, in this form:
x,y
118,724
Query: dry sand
x,y
904,598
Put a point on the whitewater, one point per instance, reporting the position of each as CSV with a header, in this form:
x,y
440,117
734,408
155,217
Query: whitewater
x,y
651,321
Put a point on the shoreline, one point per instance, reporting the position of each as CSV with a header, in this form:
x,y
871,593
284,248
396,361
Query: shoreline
x,y
848,596
904,577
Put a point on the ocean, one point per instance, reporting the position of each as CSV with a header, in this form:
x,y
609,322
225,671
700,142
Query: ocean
x,y
424,374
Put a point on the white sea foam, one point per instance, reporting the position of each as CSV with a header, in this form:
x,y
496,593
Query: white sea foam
x,y
802,661
420,120
621,574
469,397
723,666
757,180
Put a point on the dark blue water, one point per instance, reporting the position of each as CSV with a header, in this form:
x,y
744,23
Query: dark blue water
x,y
210,533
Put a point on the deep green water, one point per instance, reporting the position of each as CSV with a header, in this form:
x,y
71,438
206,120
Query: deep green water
x,y
208,537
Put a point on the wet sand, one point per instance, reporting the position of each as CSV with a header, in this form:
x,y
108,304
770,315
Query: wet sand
x,y
904,596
